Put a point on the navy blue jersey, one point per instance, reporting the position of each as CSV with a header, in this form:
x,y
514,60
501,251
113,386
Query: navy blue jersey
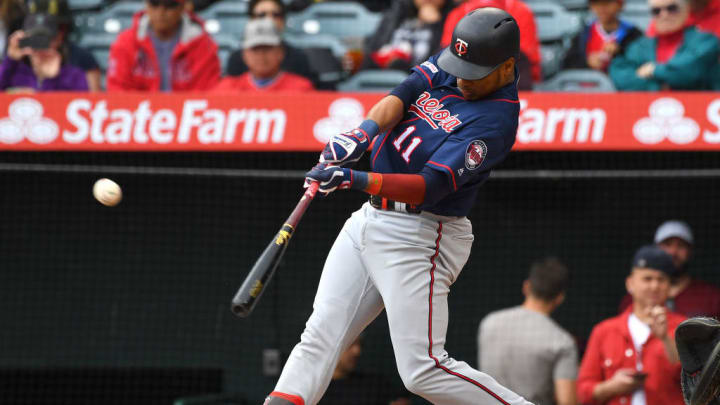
x,y
443,131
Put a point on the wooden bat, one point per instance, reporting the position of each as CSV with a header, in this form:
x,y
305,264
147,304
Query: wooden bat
x,y
262,271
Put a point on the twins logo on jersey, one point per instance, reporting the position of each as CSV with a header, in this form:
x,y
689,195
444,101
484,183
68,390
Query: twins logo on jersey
x,y
431,111
475,154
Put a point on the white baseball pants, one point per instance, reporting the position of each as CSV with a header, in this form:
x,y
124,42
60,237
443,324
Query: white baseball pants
x,y
406,264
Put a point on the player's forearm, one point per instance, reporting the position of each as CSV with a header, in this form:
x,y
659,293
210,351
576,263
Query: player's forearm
x,y
407,188
387,112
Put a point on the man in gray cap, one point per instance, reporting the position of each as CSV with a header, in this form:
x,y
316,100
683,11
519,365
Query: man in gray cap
x,y
688,296
263,53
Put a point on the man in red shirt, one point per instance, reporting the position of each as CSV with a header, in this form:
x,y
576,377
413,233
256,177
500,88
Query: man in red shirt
x,y
688,296
166,49
263,53
529,43
632,358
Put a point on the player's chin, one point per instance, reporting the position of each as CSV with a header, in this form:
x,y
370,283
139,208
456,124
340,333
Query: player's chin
x,y
468,95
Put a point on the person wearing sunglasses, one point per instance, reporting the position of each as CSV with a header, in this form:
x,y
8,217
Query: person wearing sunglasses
x,y
295,60
166,49
678,57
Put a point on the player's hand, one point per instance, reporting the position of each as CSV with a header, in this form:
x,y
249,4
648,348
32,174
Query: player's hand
x,y
330,178
345,149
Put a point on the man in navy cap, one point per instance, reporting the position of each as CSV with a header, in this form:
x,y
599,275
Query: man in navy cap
x,y
688,295
631,358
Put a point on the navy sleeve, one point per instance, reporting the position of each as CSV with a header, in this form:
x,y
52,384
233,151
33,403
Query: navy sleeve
x,y
423,77
82,58
471,151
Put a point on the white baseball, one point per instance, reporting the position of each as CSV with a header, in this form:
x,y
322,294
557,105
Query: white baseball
x,y
107,192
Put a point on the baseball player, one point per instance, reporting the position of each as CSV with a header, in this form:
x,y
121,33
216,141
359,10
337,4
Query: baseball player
x,y
436,137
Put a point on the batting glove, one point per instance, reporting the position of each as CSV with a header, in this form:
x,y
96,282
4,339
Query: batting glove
x,y
347,148
330,178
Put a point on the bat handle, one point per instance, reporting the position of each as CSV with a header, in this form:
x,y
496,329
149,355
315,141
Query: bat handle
x,y
312,189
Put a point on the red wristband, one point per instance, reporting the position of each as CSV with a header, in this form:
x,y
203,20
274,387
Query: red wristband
x,y
374,183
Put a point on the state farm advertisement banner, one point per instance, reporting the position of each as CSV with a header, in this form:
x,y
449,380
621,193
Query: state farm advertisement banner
x,y
304,121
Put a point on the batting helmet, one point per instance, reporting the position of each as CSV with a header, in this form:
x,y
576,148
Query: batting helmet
x,y
481,41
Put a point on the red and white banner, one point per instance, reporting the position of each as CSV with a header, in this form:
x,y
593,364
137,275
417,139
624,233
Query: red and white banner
x,y
303,122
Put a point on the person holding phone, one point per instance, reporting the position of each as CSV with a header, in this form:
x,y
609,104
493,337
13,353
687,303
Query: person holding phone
x,y
631,359
37,59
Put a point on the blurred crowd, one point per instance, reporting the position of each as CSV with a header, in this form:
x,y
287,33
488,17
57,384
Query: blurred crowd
x,y
629,359
168,48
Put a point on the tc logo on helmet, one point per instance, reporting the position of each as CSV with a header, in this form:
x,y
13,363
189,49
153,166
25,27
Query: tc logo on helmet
x,y
461,47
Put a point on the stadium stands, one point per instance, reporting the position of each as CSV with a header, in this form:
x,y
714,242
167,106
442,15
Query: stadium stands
x,y
578,80
226,17
342,20
373,81
329,30
111,20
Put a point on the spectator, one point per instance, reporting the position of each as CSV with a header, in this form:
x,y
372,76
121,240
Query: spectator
x,y
351,387
77,55
539,361
11,19
165,49
704,14
529,43
37,59
632,358
407,35
263,53
295,60
688,296
679,57
602,38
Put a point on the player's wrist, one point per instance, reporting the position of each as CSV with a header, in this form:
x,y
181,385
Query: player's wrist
x,y
370,128
368,182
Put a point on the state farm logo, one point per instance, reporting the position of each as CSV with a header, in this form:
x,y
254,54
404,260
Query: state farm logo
x,y
666,121
26,121
344,115
566,125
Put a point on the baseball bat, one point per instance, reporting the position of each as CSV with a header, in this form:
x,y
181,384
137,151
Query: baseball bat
x,y
262,271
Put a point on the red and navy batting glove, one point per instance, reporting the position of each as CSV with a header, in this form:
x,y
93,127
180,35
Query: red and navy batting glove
x,y
331,178
347,148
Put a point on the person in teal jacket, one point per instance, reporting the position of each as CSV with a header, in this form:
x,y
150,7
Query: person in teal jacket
x,y
679,57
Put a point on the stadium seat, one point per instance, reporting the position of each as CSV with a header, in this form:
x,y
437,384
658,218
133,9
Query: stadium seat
x,y
99,46
578,80
226,44
335,45
551,58
343,20
111,20
325,54
637,13
554,23
226,17
373,81
76,5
